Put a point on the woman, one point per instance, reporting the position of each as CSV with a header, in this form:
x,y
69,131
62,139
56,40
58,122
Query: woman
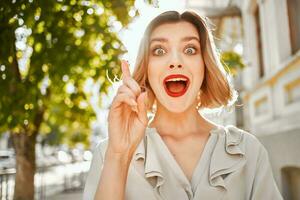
x,y
178,154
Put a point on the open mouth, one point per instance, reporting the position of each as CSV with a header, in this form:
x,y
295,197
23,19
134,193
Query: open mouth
x,y
176,85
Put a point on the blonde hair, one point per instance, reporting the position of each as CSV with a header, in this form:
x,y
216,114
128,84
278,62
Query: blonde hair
x,y
216,90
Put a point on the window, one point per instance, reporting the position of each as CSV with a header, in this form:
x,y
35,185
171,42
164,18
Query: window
x,y
294,23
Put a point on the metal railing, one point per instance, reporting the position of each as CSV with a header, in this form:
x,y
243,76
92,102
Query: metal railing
x,y
7,177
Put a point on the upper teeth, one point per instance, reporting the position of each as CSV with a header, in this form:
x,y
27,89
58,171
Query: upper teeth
x,y
176,79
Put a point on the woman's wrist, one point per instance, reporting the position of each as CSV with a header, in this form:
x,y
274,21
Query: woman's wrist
x,y
123,158
114,175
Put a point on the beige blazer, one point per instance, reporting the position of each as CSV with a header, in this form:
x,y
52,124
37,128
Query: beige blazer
x,y
233,166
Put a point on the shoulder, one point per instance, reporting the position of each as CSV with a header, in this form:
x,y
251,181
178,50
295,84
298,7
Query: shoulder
x,y
246,137
248,143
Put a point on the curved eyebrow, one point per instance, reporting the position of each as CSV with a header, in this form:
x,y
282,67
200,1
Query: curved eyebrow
x,y
185,39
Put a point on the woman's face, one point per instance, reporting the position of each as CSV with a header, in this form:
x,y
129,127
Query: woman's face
x,y
176,67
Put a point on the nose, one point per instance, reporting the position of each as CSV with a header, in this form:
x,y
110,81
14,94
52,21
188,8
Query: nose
x,y
172,66
175,60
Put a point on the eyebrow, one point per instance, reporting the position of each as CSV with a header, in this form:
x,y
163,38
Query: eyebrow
x,y
185,39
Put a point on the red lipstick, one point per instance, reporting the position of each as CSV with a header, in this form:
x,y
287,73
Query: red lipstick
x,y
176,85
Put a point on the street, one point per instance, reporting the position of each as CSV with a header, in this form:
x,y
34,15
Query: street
x,y
70,195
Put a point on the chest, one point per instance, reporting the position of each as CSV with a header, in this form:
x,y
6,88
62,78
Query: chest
x,y
186,153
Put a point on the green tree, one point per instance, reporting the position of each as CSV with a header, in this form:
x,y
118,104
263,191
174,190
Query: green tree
x,y
232,62
49,49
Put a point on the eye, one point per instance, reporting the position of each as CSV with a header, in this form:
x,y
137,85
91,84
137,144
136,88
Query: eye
x,y
190,50
158,51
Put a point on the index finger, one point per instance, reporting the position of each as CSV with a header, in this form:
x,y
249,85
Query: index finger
x,y
125,69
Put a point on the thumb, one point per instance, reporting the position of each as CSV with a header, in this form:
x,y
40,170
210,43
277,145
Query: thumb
x,y
142,107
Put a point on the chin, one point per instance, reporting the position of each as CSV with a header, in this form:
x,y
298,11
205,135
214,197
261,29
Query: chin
x,y
176,107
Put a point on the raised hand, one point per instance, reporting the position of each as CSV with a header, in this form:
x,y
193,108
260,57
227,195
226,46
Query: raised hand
x,y
127,119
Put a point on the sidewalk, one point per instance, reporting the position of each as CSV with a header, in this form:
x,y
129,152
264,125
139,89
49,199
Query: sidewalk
x,y
69,195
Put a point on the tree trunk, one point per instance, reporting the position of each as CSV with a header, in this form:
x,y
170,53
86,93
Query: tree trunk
x,y
24,145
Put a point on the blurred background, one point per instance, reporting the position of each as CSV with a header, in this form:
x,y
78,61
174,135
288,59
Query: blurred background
x,y
58,60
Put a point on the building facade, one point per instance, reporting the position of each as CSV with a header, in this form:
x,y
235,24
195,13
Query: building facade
x,y
269,85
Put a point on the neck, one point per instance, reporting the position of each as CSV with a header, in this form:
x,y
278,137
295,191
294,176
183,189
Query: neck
x,y
180,125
